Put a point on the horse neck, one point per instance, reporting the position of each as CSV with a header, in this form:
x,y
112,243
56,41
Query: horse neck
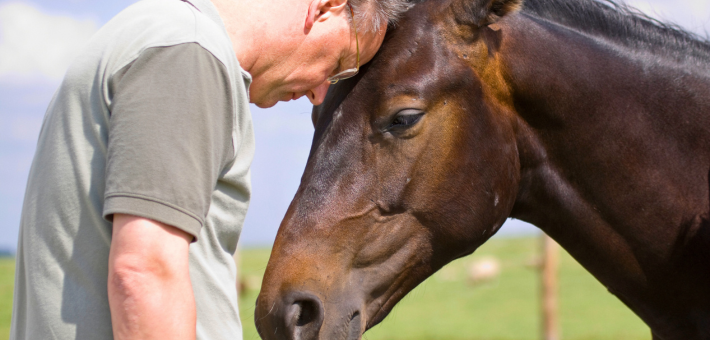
x,y
610,140
555,71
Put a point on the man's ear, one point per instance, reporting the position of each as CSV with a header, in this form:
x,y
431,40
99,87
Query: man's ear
x,y
484,12
319,9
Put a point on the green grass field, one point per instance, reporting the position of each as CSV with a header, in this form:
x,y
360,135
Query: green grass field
x,y
447,306
7,282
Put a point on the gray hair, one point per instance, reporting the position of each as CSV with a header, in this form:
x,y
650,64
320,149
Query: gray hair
x,y
370,15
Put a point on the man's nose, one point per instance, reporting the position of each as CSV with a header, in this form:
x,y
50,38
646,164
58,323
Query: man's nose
x,y
317,95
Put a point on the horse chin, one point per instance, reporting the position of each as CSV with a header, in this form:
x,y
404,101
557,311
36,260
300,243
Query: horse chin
x,y
384,310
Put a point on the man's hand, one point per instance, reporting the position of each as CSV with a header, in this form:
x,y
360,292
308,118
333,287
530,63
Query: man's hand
x,y
149,287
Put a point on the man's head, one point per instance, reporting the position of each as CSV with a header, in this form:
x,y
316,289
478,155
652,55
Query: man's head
x,y
291,48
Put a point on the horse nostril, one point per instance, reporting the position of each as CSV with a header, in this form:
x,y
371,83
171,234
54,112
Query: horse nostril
x,y
308,312
304,316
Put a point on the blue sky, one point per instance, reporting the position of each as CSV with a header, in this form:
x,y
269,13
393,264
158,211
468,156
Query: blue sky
x,y
38,40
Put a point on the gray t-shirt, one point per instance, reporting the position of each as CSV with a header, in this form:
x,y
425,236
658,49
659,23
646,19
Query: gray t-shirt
x,y
151,120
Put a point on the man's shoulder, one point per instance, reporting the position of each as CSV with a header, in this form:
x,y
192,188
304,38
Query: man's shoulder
x,y
158,13
150,23
162,23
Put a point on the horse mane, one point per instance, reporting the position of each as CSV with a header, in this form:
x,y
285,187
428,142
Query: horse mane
x,y
623,25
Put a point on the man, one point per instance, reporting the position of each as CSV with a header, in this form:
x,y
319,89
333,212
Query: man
x,y
140,183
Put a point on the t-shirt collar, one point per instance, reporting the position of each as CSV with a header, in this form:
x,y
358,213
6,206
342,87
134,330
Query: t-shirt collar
x,y
207,8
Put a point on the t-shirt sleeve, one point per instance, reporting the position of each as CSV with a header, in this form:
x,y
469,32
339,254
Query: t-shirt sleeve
x,y
170,135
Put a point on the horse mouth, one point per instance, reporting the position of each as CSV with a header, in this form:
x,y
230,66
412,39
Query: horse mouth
x,y
354,327
389,299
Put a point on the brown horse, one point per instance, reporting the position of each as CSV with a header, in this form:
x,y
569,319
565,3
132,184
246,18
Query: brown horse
x,y
582,117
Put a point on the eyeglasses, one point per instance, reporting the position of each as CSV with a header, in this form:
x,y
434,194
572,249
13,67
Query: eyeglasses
x,y
349,73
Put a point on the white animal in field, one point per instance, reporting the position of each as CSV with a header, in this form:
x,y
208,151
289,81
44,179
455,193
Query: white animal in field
x,y
483,269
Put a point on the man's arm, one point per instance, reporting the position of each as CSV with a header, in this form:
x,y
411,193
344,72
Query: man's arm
x,y
149,287
170,138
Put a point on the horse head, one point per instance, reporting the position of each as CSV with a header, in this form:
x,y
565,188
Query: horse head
x,y
413,164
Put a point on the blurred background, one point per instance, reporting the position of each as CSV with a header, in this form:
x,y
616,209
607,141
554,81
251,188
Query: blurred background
x,y
39,39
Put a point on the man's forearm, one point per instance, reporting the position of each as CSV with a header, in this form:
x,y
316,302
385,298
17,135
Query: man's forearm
x,y
149,289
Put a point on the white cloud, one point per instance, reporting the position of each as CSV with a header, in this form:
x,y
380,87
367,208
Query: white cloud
x,y
34,43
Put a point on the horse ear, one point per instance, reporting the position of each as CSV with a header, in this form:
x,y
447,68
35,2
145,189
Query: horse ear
x,y
484,12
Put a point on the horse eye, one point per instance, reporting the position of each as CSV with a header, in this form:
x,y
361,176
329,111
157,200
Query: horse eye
x,y
405,118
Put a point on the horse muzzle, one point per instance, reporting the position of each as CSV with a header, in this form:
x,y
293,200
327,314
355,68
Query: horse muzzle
x,y
300,315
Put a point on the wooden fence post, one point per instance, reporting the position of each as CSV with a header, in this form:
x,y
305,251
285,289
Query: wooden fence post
x,y
549,269
238,263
